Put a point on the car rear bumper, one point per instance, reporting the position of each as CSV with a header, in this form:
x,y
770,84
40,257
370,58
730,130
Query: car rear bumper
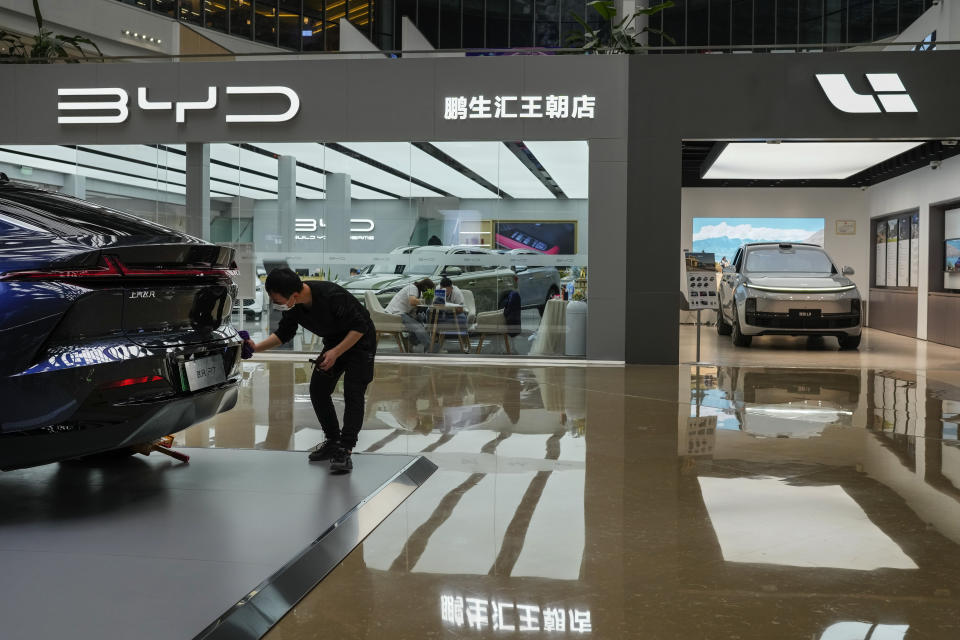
x,y
140,423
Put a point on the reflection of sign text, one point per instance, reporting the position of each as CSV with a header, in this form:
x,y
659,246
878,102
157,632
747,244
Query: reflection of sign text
x,y
505,107
499,615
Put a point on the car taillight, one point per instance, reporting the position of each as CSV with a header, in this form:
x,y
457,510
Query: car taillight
x,y
112,267
128,382
107,267
516,281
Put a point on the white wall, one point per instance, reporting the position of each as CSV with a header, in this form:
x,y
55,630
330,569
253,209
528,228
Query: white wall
x,y
830,204
918,190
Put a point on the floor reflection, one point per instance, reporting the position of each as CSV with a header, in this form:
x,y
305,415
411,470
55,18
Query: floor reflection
x,y
660,502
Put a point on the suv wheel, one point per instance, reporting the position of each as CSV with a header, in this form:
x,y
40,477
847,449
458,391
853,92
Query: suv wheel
x,y
739,339
553,292
849,342
723,329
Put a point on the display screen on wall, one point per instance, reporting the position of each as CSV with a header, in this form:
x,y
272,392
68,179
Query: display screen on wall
x,y
903,253
897,242
881,255
893,235
952,250
914,249
555,238
723,236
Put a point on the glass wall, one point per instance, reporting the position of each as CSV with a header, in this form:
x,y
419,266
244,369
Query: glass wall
x,y
458,24
504,222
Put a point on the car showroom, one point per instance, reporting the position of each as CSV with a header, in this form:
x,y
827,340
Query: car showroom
x,y
742,270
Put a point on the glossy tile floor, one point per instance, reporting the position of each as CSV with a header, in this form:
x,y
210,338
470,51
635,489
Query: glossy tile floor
x,y
785,494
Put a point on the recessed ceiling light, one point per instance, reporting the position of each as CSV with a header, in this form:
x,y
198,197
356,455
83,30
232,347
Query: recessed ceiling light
x,y
801,160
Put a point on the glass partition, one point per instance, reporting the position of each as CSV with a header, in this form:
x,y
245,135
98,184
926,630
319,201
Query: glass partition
x,y
499,227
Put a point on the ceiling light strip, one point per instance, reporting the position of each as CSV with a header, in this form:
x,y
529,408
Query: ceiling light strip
x,y
91,166
310,167
454,164
356,155
529,160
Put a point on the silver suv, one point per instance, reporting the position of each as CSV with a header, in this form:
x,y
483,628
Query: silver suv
x,y
536,284
465,266
787,289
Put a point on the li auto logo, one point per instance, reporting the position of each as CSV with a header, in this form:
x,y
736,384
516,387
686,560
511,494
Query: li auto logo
x,y
116,102
889,95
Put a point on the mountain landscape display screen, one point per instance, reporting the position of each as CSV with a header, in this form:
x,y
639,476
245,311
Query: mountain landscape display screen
x,y
723,236
952,250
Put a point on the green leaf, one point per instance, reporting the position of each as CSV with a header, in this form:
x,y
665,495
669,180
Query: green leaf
x,y
606,8
37,15
649,11
660,33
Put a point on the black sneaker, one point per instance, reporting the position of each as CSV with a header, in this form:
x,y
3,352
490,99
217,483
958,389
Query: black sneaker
x,y
340,462
325,451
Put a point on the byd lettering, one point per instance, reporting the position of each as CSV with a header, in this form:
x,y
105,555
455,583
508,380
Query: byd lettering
x,y
311,225
116,101
889,90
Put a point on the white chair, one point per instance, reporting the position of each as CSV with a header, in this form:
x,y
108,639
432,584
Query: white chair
x,y
385,323
491,323
469,306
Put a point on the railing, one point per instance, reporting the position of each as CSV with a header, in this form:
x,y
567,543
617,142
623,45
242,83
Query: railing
x,y
527,51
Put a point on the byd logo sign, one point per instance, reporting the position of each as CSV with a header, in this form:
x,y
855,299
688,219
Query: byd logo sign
x,y
311,225
116,101
889,90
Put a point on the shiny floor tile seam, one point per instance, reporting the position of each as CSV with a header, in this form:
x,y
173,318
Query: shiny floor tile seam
x,y
774,595
483,361
264,606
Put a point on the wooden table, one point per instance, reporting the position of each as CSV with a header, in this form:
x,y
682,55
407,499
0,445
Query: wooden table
x,y
433,320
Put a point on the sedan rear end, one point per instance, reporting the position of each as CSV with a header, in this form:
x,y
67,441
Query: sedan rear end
x,y
114,331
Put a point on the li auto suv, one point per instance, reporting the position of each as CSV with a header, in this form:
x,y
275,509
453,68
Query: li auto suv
x,y
114,331
787,289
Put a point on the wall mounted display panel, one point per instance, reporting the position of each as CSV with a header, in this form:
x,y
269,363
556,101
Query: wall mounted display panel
x,y
723,236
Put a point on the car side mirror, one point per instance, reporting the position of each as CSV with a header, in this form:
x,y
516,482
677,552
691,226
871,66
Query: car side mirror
x,y
520,268
848,271
452,271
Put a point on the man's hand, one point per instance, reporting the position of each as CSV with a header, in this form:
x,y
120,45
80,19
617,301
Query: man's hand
x,y
329,358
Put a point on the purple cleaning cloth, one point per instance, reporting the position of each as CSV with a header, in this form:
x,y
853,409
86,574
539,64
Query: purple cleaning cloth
x,y
246,351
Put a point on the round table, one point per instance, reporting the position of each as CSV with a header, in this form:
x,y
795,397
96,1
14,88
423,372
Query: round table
x,y
433,320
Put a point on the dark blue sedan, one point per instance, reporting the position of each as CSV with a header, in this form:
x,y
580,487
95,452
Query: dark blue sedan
x,y
114,331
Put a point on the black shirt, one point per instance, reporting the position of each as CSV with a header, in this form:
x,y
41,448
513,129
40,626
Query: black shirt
x,y
334,313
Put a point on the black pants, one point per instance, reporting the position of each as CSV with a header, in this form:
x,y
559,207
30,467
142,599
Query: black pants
x,y
356,367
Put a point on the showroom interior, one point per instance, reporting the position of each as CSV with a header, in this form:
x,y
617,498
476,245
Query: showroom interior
x,y
607,466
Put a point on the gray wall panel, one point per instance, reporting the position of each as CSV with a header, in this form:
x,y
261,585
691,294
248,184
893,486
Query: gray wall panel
x,y
607,247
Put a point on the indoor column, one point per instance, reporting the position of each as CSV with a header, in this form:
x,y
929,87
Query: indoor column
x,y
286,199
198,190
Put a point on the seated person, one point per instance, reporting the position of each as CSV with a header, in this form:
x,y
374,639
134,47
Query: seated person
x,y
404,304
454,296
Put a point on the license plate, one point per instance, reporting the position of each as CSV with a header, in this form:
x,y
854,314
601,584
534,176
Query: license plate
x,y
204,372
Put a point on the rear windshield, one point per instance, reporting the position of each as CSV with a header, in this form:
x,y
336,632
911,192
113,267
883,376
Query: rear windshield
x,y
795,260
71,217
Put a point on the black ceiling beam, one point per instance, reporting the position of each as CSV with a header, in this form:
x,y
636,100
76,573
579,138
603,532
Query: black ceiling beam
x,y
530,161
